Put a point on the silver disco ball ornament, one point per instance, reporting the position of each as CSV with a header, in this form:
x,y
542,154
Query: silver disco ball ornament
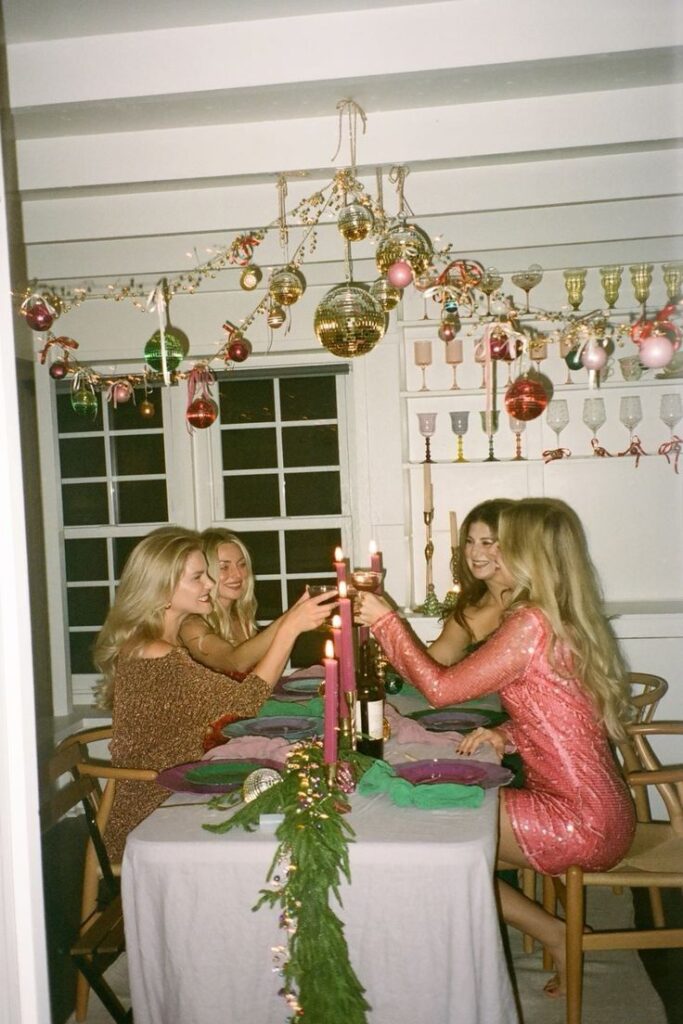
x,y
355,222
286,287
407,243
349,321
385,293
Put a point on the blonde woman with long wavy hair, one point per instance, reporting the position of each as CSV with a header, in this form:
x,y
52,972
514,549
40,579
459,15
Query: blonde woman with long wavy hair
x,y
556,666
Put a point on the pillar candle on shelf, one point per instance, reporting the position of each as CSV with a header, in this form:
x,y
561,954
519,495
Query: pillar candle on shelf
x,y
454,529
347,665
428,489
376,563
331,712
340,565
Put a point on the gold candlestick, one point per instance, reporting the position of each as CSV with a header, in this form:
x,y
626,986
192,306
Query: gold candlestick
x,y
431,605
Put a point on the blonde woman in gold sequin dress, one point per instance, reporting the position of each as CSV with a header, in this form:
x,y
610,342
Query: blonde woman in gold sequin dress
x,y
555,664
162,701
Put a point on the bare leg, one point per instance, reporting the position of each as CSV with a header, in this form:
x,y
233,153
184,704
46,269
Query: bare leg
x,y
522,913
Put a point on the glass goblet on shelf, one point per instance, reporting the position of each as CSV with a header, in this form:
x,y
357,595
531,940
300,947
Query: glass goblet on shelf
x,y
490,281
671,410
454,358
427,427
489,424
594,415
459,425
630,413
517,427
557,416
422,353
528,279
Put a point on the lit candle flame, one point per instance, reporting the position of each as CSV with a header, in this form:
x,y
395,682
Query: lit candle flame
x,y
338,555
343,592
336,622
329,649
372,547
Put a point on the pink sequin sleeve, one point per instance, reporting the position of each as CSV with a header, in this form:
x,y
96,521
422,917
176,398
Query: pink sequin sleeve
x,y
501,660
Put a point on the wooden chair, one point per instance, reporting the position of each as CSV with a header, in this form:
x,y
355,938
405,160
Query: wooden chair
x,y
655,862
98,944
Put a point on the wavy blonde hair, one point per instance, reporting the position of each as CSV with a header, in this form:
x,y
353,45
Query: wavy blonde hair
x,y
149,578
239,621
544,548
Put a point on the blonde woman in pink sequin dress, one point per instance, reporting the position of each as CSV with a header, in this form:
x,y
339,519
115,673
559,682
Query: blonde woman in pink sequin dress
x,y
556,666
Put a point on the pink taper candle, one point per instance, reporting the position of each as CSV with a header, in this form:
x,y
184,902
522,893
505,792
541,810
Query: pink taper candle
x,y
331,714
347,669
340,565
376,563
336,640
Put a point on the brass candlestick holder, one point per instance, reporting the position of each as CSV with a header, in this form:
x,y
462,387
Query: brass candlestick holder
x,y
452,595
431,605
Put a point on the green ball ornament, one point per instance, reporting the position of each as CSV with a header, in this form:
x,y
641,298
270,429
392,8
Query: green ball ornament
x,y
573,360
84,402
174,345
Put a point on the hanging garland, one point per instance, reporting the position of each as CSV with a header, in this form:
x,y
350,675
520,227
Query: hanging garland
x,y
311,859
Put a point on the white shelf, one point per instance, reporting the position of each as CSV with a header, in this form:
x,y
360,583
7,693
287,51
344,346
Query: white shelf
x,y
575,387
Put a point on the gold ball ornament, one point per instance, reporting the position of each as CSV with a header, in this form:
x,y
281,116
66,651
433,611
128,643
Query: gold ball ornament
x,y
404,243
385,293
146,409
355,222
349,321
276,316
250,277
286,287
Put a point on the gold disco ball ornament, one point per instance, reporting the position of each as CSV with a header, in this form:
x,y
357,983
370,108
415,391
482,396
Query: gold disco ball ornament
x,y
406,243
385,293
355,222
286,287
349,321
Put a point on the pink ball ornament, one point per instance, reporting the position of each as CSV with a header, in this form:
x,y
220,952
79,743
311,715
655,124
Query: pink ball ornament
x,y
122,392
656,351
525,399
400,274
593,357
201,413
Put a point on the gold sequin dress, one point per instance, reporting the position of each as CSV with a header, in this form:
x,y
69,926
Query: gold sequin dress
x,y
574,807
162,708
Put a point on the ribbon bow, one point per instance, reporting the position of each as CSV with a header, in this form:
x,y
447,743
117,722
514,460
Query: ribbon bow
x,y
157,301
243,249
599,450
550,454
671,450
635,448
661,323
64,344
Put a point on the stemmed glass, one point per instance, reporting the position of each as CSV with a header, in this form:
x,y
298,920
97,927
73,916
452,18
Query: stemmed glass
x,y
423,359
557,416
489,424
528,279
567,346
427,427
459,424
594,415
490,281
630,413
538,351
517,427
454,358
671,410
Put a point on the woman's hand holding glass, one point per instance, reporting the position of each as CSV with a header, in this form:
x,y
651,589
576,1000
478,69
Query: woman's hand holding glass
x,y
368,608
311,611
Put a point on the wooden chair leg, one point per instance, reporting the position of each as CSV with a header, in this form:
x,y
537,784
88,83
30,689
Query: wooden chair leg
x,y
657,908
549,905
529,890
575,919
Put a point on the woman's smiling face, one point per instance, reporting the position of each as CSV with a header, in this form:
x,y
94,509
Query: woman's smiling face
x,y
482,554
232,573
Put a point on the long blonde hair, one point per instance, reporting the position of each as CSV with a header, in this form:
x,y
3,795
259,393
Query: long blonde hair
x,y
149,578
544,548
239,621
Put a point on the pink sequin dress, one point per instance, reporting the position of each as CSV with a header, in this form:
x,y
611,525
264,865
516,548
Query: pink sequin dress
x,y
574,807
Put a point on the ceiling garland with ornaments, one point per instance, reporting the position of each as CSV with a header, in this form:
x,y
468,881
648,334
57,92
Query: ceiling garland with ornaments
x,y
352,316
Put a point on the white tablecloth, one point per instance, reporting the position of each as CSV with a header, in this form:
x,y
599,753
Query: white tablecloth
x,y
420,918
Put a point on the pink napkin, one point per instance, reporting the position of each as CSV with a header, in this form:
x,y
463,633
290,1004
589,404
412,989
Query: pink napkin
x,y
312,672
246,747
410,739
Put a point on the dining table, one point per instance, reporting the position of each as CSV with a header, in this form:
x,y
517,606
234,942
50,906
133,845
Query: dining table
x,y
419,914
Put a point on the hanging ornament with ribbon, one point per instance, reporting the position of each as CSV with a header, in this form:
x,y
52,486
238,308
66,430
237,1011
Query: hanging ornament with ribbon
x,y
40,310
83,398
166,349
201,409
119,392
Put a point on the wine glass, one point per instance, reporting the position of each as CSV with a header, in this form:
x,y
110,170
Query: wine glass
x,y
630,413
490,281
557,416
454,358
594,415
538,351
528,279
423,359
427,427
517,427
671,410
489,424
459,424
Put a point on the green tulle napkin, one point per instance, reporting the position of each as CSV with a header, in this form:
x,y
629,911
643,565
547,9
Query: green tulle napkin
x,y
381,778
287,708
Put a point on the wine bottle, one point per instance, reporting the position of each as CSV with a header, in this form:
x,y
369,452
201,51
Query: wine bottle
x,y
369,705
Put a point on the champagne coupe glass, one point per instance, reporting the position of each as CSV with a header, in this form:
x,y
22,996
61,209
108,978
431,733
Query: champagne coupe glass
x,y
454,358
557,416
630,413
423,359
490,281
427,426
671,410
459,424
517,427
489,424
594,415
528,279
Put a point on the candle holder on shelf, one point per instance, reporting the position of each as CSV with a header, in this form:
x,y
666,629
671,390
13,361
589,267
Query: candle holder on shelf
x,y
452,594
431,605
427,422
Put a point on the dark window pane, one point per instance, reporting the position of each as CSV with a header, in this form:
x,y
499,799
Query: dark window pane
x,y
122,548
247,401
255,496
81,645
85,504
308,398
269,600
69,421
86,559
142,501
310,446
311,550
312,494
127,416
249,449
263,547
82,456
309,649
133,455
88,606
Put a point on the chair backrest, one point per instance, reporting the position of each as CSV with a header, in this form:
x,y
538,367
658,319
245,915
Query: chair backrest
x,y
646,692
650,771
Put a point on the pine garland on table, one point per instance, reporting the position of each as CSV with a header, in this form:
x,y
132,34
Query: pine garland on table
x,y
319,983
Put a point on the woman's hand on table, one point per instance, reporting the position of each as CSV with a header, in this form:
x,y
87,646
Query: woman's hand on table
x,y
368,608
471,743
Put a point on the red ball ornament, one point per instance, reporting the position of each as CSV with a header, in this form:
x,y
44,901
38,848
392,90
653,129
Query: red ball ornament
x,y
504,347
526,398
594,357
400,274
201,413
146,410
239,349
39,317
656,351
58,370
